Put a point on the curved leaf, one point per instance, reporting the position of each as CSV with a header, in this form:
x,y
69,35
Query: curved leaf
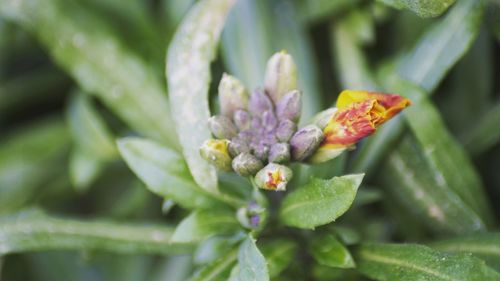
x,y
485,246
252,264
320,201
412,182
415,262
188,74
163,171
34,231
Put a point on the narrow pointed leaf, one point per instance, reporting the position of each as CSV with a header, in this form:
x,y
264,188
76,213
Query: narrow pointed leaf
x,y
252,264
416,262
320,201
35,231
485,246
443,45
444,155
188,74
407,176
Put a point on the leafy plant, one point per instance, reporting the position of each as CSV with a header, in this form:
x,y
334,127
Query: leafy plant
x,y
204,140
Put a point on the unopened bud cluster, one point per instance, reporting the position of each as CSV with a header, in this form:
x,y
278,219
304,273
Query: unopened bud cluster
x,y
256,135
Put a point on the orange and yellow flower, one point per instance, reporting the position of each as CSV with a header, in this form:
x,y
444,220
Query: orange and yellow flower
x,y
358,115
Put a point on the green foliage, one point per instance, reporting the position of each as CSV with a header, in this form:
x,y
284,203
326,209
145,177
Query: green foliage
x,y
320,201
416,262
104,106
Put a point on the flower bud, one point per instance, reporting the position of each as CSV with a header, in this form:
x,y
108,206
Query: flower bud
x,y
269,121
237,146
305,142
232,95
261,151
250,216
323,118
289,106
221,127
281,76
259,103
273,177
242,119
246,164
286,129
279,153
215,152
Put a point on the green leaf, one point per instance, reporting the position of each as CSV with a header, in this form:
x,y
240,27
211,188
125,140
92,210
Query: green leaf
x,y
320,201
89,130
416,262
84,169
30,158
279,255
407,176
246,56
450,39
94,142
485,134
290,35
35,231
351,64
217,270
485,246
203,224
327,250
423,8
449,162
163,171
86,46
188,74
251,262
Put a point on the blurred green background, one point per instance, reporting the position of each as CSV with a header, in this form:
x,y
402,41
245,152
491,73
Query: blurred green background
x,y
75,75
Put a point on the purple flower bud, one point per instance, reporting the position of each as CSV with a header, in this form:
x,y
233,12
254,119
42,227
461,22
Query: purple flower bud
x,y
305,142
285,130
261,151
232,95
242,119
279,153
237,146
221,127
269,121
289,106
246,164
259,103
281,76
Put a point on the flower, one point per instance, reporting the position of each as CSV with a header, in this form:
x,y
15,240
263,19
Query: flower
x,y
358,115
257,135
